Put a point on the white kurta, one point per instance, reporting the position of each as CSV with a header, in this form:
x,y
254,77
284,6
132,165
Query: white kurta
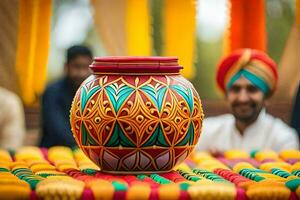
x,y
267,132
12,122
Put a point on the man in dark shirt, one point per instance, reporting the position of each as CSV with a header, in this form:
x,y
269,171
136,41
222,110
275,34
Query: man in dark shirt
x,y
57,98
295,123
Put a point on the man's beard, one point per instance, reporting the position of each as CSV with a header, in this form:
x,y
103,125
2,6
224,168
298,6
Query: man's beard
x,y
247,115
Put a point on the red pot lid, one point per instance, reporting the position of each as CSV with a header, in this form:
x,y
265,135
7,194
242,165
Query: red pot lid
x,y
129,64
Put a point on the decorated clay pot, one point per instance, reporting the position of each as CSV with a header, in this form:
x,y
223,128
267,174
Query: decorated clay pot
x,y
136,114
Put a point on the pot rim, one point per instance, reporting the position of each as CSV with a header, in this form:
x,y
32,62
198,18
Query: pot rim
x,y
135,64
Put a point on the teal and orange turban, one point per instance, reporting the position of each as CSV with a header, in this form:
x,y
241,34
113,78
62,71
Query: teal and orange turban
x,y
254,65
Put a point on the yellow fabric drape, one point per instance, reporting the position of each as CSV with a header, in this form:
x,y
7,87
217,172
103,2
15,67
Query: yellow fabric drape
x,y
139,40
124,26
226,39
179,18
109,18
33,47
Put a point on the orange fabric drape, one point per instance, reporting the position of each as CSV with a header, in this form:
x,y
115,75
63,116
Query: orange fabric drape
x,y
179,34
109,18
247,25
32,47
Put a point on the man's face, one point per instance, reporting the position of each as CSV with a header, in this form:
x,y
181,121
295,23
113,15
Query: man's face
x,y
78,69
246,100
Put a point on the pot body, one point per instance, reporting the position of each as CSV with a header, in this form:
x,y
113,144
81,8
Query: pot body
x,y
136,122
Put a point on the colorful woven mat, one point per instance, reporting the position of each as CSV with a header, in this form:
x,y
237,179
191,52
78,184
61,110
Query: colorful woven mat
x,y
62,173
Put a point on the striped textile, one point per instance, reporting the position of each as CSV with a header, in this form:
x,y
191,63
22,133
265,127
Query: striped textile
x,y
254,65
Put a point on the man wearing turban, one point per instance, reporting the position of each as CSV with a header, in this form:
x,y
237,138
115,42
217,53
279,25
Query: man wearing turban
x,y
248,78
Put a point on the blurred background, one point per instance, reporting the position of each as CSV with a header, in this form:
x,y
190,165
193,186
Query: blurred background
x,y
35,34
